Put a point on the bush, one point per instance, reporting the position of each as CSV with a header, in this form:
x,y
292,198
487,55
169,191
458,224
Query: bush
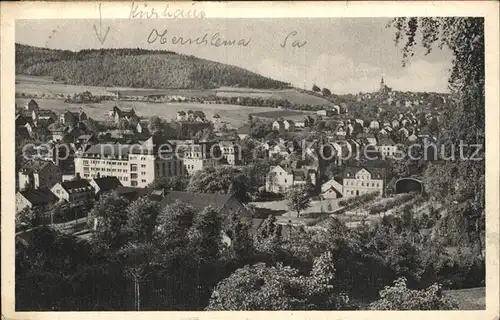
x,y
392,203
359,200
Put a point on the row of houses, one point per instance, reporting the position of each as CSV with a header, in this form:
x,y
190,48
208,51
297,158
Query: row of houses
x,y
76,193
133,164
355,181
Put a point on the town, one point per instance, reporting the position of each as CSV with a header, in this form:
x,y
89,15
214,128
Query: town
x,y
78,159
150,180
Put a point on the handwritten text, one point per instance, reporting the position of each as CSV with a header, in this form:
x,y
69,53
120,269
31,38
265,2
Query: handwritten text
x,y
295,43
214,40
147,12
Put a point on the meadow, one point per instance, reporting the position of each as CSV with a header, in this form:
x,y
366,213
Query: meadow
x,y
233,115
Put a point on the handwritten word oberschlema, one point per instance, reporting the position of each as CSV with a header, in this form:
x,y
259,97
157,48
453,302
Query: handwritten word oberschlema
x,y
214,40
146,12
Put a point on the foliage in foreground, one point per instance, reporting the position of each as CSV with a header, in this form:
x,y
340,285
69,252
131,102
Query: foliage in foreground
x,y
261,287
399,297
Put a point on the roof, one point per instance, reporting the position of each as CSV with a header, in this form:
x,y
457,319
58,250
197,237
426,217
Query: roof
x,y
198,201
299,175
45,112
34,166
76,185
85,137
39,196
351,171
107,183
385,141
132,193
108,150
244,130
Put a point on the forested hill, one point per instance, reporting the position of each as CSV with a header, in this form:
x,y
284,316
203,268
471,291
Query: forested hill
x,y
135,68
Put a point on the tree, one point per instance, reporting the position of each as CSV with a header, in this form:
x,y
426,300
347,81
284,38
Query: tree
x,y
239,188
213,180
399,297
173,224
177,183
463,119
326,92
315,88
138,261
92,125
261,287
141,218
110,215
241,242
156,125
298,199
206,234
26,219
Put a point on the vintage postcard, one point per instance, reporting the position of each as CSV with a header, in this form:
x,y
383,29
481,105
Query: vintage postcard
x,y
305,160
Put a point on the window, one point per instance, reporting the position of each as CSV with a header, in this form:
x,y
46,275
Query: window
x,y
125,178
133,167
85,162
133,183
362,184
143,173
133,176
143,180
143,166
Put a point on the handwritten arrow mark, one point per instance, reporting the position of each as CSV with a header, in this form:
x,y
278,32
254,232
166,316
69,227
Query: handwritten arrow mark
x,y
99,32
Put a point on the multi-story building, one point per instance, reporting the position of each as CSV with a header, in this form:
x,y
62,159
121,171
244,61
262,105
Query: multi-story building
x,y
38,174
363,180
231,152
116,114
76,192
387,147
199,155
36,198
279,178
69,118
135,165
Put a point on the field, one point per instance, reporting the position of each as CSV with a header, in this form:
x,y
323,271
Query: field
x,y
233,115
45,85
468,299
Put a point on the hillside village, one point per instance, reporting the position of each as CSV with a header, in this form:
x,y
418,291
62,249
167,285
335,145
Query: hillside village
x,y
314,201
72,147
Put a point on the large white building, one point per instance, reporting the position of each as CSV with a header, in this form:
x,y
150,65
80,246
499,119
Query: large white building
x,y
134,165
279,178
200,155
362,180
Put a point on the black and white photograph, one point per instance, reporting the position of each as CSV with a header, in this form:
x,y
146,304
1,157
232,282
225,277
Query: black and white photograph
x,y
170,161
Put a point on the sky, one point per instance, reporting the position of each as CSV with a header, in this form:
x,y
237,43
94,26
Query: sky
x,y
346,55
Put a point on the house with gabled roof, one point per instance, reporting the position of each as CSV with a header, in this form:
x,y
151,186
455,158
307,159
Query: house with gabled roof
x,y
76,192
280,178
104,184
37,174
387,147
35,198
118,114
363,180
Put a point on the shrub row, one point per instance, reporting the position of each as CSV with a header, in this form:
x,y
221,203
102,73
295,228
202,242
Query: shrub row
x,y
383,207
359,200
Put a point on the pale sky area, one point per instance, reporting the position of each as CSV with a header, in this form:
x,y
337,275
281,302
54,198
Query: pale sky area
x,y
346,55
